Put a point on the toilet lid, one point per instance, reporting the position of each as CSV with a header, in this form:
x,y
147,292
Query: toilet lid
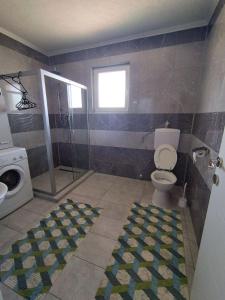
x,y
165,157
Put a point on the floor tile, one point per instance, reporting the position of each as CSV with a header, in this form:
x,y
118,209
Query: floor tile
x,y
126,180
115,195
107,227
194,252
96,249
147,192
187,224
100,179
50,297
187,252
190,275
21,220
122,195
7,236
91,189
130,187
82,199
78,281
40,206
116,211
8,294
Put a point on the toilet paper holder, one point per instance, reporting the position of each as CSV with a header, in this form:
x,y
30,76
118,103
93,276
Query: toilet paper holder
x,y
200,152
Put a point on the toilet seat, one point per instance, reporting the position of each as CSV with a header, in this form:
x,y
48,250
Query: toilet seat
x,y
163,177
165,157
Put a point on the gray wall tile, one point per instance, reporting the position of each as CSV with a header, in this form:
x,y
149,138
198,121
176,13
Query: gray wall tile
x,y
25,122
131,163
140,122
23,49
209,127
198,195
37,158
164,40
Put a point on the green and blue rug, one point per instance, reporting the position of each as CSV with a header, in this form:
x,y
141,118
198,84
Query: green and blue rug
x,y
148,262
32,264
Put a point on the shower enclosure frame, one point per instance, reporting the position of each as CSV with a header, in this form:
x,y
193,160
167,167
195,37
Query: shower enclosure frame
x,y
47,130
42,74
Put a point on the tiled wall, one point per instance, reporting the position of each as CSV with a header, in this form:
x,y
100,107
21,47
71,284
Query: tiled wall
x,y
127,133
127,140
26,126
209,121
165,77
28,131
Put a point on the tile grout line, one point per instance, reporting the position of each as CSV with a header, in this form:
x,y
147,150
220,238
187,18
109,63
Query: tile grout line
x,y
53,296
89,262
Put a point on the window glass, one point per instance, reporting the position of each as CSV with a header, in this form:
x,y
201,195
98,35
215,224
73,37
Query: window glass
x,y
75,96
111,88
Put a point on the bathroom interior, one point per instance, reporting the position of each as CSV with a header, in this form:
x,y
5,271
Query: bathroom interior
x,y
112,140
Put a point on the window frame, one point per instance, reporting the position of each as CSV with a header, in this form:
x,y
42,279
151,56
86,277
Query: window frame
x,y
95,102
69,95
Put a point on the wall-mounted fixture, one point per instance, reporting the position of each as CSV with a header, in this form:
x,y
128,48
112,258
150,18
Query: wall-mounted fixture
x,y
200,152
15,81
215,163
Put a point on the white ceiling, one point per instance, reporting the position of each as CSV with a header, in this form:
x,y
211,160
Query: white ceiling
x,y
58,26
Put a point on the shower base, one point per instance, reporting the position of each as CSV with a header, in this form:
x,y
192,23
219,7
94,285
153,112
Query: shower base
x,y
65,179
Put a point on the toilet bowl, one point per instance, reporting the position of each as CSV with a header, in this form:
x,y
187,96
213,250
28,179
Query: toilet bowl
x,y
163,179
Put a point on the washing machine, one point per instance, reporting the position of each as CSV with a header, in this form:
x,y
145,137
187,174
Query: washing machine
x,y
15,173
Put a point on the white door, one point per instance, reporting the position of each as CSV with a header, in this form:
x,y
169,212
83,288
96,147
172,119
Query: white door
x,y
209,278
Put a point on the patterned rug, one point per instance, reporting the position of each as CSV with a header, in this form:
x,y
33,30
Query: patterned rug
x,y
148,262
32,264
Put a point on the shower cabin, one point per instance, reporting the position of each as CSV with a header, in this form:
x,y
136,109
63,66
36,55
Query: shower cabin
x,y
64,136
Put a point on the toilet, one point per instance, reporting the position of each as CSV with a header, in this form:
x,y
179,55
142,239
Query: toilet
x,y
165,157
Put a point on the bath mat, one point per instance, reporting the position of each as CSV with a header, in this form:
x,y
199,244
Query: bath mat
x,y
148,261
31,265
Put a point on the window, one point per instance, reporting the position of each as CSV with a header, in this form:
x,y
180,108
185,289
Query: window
x,y
74,96
111,88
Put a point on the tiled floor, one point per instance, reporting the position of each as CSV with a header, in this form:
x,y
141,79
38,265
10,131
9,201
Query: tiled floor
x,y
81,277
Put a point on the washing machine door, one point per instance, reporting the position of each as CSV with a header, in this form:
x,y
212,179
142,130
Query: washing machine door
x,y
12,176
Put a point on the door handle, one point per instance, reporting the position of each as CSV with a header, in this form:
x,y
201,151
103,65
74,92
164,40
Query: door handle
x,y
215,163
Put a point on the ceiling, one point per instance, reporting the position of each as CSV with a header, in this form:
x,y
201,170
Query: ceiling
x,y
59,26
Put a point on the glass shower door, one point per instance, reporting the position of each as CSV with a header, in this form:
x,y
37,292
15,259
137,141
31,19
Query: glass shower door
x,y
62,145
78,116
66,130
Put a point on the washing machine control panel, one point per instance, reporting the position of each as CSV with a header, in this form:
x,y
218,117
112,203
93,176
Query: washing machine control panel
x,y
11,156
